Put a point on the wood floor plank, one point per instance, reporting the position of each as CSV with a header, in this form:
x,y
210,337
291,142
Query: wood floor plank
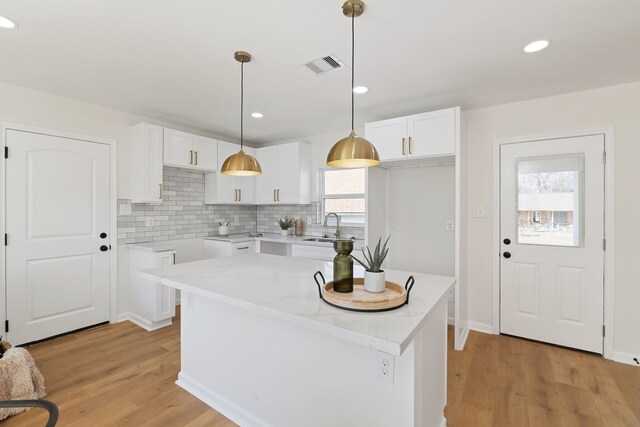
x,y
121,375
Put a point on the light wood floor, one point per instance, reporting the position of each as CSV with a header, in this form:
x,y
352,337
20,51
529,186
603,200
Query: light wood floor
x,y
121,375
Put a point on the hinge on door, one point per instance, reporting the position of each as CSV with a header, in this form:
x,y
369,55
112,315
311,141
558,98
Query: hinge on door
x,y
6,326
604,157
6,152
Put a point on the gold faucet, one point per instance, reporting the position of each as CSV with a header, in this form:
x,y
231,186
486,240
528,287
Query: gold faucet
x,y
337,233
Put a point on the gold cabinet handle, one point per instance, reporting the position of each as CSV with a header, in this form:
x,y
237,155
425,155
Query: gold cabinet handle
x,y
197,152
403,146
274,195
236,191
190,157
409,145
174,258
278,194
240,195
161,191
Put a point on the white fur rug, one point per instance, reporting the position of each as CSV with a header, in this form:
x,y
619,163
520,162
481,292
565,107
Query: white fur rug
x,y
19,379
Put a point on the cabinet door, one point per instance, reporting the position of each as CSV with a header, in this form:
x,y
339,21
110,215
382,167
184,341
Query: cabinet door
x,y
177,148
165,297
288,189
246,184
267,183
431,134
389,138
147,164
226,184
205,153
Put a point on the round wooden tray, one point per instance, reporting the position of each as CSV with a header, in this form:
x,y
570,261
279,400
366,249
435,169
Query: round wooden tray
x,y
393,297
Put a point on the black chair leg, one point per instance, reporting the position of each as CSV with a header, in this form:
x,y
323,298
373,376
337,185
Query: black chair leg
x,y
45,404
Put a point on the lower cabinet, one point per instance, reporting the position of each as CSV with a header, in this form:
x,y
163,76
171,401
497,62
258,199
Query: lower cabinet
x,y
313,252
152,304
217,248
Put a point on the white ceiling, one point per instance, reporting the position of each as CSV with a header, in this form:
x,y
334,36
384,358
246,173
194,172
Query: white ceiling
x,y
173,59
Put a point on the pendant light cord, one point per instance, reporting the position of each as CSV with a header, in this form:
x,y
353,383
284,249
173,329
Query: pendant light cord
x,y
353,65
241,104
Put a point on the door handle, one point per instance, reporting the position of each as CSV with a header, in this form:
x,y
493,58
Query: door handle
x,y
104,248
507,255
507,241
190,157
196,157
403,146
103,235
409,145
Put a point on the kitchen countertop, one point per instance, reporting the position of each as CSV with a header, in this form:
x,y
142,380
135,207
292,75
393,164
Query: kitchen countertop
x,y
167,245
278,238
283,288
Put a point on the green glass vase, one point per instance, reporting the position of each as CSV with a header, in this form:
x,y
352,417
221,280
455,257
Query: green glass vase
x,y
343,266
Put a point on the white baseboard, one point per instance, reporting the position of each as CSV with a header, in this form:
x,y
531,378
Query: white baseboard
x,y
627,358
122,317
463,339
451,321
443,423
146,324
481,327
227,408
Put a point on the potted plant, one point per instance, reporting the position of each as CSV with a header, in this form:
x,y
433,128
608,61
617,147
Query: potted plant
x,y
374,280
285,224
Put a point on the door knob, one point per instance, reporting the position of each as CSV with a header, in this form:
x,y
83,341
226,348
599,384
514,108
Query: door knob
x,y
507,241
104,248
507,255
103,235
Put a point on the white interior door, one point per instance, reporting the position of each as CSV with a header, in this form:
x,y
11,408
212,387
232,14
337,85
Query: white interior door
x,y
57,206
552,231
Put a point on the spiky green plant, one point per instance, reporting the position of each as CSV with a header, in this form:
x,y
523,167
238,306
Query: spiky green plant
x,y
286,223
374,261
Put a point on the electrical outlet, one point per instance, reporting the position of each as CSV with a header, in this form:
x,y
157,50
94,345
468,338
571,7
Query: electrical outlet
x,y
150,221
478,212
125,210
385,367
449,225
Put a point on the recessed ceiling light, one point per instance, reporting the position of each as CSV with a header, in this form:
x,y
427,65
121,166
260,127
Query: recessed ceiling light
x,y
360,89
536,46
257,115
7,23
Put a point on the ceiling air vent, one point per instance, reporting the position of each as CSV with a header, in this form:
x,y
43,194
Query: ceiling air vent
x,y
324,64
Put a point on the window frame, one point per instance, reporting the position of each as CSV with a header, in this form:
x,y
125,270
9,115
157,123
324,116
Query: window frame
x,y
332,221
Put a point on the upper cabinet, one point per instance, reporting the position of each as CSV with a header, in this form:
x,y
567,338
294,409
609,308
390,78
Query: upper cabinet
x,y
146,163
286,174
430,134
185,150
228,189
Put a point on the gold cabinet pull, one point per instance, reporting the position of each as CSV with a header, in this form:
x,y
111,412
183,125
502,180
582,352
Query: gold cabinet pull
x,y
274,195
190,157
161,191
409,145
278,194
240,194
403,146
174,258
237,199
197,152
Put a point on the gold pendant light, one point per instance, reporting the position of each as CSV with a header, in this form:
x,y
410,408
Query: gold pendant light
x,y
241,163
353,151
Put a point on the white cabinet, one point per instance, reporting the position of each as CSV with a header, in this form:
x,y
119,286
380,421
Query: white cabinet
x,y
313,252
218,248
228,189
146,163
286,174
185,150
152,304
430,134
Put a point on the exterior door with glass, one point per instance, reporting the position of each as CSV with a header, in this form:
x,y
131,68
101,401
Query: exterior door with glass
x,y
552,241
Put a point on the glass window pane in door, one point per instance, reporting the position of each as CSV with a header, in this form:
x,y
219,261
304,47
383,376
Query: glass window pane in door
x,y
550,200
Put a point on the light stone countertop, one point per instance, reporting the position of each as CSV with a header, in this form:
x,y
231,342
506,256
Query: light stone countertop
x,y
166,245
278,238
283,288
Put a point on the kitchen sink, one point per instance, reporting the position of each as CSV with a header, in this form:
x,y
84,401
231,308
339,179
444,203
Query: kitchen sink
x,y
319,239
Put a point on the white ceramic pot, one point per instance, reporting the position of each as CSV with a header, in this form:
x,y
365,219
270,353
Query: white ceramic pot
x,y
285,232
223,230
374,282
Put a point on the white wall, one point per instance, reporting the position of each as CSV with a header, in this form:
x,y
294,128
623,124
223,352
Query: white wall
x,y
617,107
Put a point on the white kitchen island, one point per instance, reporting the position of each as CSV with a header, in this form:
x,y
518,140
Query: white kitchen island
x,y
259,346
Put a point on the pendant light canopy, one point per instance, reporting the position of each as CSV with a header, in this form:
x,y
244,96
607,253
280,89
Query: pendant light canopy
x,y
241,163
353,151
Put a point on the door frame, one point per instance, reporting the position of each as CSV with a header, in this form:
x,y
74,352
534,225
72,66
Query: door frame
x,y
113,203
609,225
